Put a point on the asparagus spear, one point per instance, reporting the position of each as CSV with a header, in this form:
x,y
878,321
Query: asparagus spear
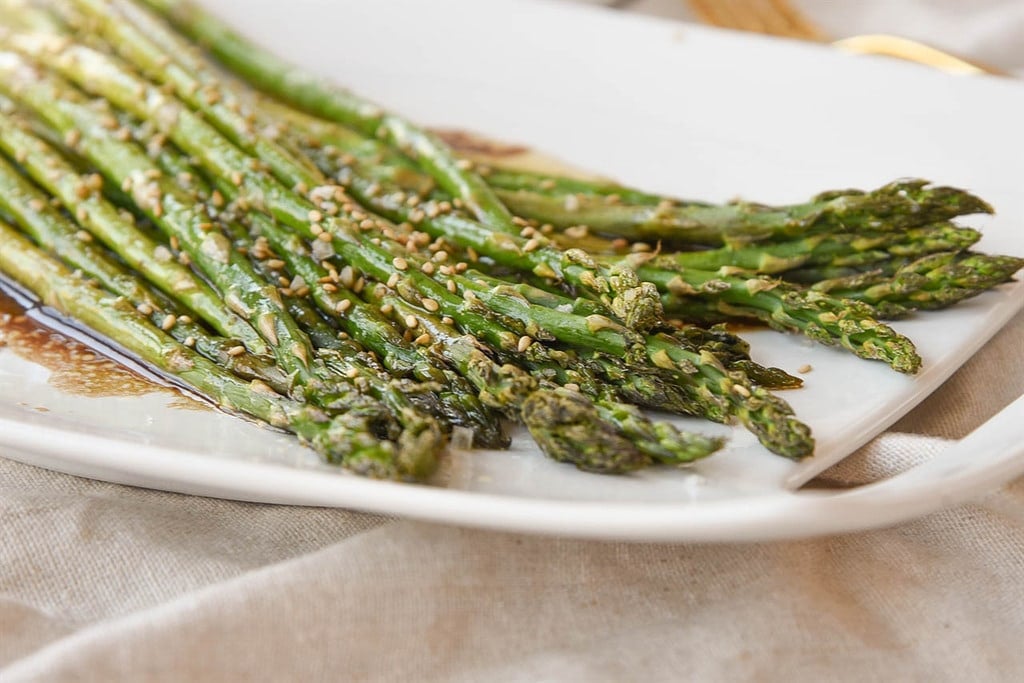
x,y
931,282
634,303
347,438
786,307
504,180
839,249
897,206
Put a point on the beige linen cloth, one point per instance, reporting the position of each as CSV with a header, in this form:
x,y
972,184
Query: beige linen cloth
x,y
100,582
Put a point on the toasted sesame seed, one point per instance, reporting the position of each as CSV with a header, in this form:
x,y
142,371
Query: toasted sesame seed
x,y
411,321
83,236
185,319
399,263
430,305
461,267
144,309
472,255
424,339
328,287
524,343
577,231
803,369
236,351
571,386
170,321
447,321
343,305
358,286
314,215
531,245
452,287
325,236
741,390
190,342
387,309
427,268
393,280
640,247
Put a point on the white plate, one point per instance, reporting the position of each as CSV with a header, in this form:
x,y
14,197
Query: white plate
x,y
669,107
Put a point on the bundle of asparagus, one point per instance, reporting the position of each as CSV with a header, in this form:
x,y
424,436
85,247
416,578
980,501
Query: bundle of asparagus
x,y
301,256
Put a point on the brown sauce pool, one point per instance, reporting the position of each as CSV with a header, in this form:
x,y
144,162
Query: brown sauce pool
x,y
75,367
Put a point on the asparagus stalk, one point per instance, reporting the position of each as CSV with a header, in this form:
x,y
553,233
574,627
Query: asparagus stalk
x,y
931,282
505,180
785,307
838,249
897,206
347,438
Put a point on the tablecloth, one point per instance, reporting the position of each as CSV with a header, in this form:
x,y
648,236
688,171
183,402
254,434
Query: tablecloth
x,y
100,582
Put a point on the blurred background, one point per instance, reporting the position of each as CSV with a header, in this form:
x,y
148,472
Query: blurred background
x,y
987,32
